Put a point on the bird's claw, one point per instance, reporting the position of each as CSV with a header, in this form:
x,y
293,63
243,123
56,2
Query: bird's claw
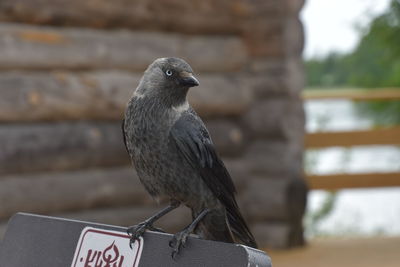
x,y
178,241
137,231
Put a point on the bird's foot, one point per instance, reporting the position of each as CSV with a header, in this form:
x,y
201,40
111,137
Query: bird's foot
x,y
137,231
178,241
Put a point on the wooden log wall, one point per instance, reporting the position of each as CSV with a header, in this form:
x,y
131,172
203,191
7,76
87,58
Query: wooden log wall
x,y
68,68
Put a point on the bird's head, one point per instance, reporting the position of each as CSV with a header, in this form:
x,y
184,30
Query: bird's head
x,y
167,78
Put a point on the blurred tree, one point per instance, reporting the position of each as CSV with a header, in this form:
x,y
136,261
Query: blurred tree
x,y
376,60
314,219
375,63
326,72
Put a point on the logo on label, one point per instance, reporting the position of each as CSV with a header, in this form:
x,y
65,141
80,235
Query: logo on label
x,y
104,248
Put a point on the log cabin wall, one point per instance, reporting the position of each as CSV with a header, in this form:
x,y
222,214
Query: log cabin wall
x,y
68,67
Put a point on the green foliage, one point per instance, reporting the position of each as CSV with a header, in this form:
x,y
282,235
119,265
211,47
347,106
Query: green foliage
x,y
313,219
375,63
326,72
376,60
382,113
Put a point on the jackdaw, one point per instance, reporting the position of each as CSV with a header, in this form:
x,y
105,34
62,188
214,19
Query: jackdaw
x,y
175,158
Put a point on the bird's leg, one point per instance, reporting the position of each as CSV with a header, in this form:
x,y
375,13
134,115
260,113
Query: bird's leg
x,y
137,231
179,239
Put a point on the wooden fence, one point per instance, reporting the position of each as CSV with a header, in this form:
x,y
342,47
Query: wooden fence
x,y
383,136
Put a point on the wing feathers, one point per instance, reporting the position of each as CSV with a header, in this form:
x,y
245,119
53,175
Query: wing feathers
x,y
193,141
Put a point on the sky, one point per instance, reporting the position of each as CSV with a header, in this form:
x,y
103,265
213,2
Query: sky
x,y
331,25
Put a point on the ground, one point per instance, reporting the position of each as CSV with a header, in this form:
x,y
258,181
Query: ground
x,y
344,252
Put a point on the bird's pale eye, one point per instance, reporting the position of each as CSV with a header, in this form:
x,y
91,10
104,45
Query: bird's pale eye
x,y
168,72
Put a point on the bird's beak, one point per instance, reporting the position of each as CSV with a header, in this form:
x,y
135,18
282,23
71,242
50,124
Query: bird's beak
x,y
187,79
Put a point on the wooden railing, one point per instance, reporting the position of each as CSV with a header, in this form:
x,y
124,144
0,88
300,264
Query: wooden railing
x,y
353,94
384,136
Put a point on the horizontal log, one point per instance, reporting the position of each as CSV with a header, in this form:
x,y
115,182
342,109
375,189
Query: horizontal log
x,y
60,146
294,40
276,117
353,180
27,148
285,77
274,199
29,47
34,96
58,192
278,235
3,228
72,194
295,6
184,16
220,95
228,136
277,38
272,235
384,136
275,159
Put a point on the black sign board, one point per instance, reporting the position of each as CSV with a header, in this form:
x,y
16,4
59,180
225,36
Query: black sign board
x,y
41,241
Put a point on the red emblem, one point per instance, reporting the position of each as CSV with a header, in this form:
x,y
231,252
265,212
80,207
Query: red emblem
x,y
102,248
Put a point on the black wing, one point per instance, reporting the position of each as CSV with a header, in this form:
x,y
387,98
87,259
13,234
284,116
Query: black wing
x,y
193,141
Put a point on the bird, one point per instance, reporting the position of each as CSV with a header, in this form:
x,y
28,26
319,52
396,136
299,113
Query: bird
x,y
175,158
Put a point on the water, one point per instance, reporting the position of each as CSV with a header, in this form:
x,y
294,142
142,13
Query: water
x,y
362,212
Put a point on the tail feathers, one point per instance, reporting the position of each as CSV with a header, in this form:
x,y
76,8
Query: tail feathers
x,y
214,227
239,227
225,226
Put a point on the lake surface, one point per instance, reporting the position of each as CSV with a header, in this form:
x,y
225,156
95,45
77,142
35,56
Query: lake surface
x,y
357,211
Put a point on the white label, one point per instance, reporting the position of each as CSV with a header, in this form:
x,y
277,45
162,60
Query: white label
x,y
104,248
